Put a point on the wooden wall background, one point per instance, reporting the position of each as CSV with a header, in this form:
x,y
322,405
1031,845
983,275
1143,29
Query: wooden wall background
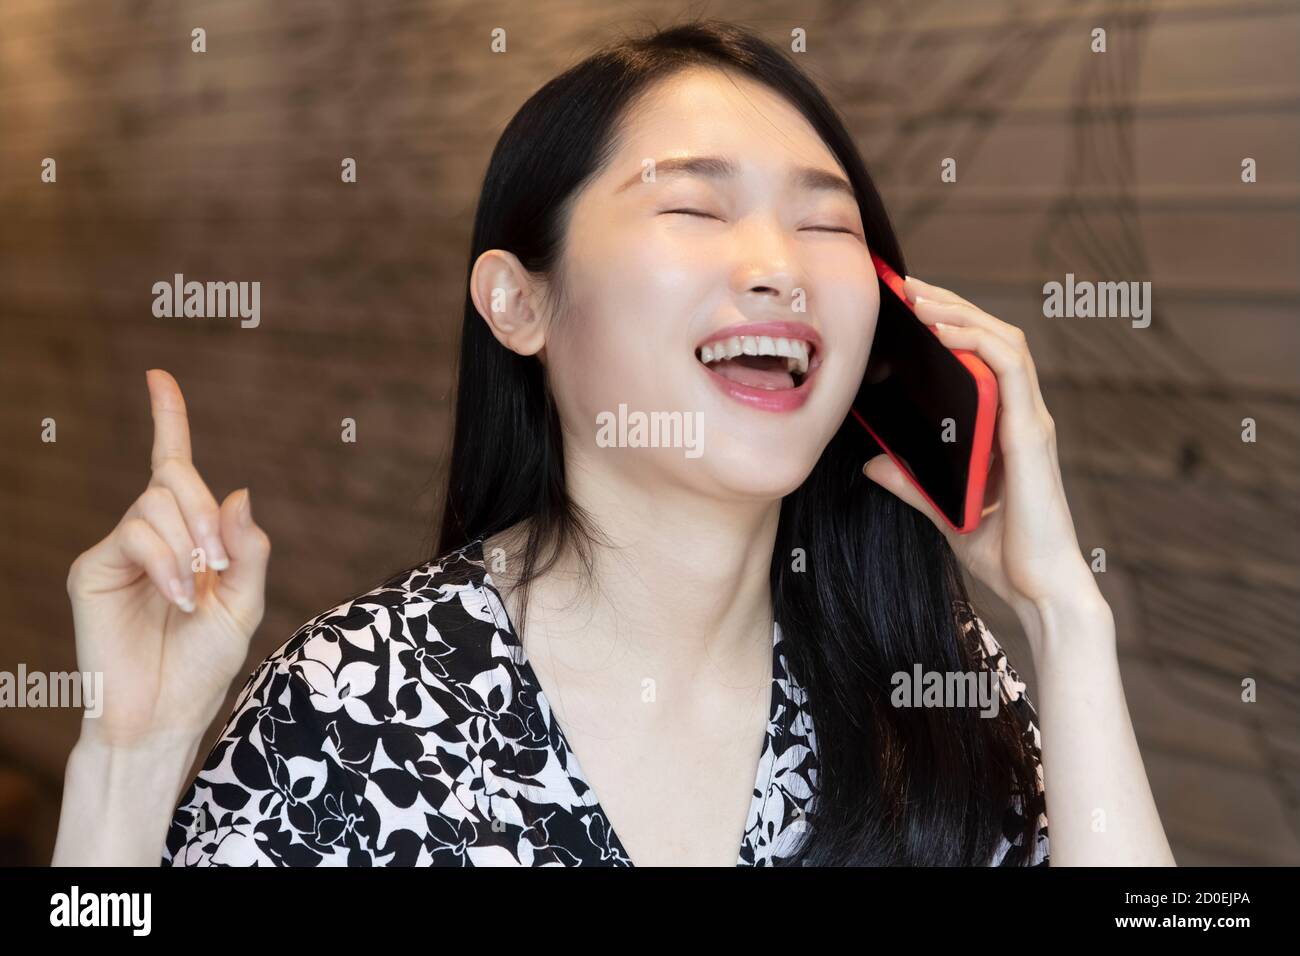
x,y
1122,166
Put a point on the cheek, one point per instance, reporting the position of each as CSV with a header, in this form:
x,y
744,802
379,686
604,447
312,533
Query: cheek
x,y
648,273
631,302
850,306
626,281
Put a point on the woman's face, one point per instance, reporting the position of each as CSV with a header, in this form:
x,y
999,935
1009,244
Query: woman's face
x,y
770,250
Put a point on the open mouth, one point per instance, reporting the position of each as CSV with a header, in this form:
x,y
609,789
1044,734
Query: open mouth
x,y
774,363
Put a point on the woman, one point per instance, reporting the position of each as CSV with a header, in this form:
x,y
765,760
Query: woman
x,y
714,633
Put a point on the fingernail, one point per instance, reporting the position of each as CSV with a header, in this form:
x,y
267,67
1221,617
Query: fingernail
x,y
217,559
246,509
178,595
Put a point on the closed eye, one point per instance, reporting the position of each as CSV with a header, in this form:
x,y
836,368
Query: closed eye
x,y
847,232
691,212
709,215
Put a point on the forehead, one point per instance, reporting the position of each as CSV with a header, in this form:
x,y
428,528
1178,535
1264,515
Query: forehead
x,y
709,111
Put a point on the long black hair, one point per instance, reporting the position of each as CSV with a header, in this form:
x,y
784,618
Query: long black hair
x,y
900,786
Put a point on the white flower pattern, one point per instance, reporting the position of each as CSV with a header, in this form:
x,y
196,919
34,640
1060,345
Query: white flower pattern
x,y
405,727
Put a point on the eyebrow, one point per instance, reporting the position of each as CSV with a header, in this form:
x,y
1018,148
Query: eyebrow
x,y
718,167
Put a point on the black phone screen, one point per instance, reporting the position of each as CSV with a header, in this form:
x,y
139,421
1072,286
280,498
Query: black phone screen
x,y
922,403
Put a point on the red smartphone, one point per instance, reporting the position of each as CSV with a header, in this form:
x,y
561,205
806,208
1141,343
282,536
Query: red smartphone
x,y
930,408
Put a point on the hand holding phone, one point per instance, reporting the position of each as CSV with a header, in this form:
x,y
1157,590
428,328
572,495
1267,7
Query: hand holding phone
x,y
930,408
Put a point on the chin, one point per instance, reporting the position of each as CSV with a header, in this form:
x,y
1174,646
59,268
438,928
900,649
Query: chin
x,y
746,472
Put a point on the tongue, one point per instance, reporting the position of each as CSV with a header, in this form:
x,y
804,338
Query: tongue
x,y
756,371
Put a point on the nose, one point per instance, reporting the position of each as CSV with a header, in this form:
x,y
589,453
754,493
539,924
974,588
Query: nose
x,y
764,265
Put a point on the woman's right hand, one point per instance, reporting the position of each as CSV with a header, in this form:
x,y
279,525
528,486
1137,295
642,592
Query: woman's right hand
x,y
168,639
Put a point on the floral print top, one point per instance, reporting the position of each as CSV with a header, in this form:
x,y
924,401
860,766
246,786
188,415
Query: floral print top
x,y
406,727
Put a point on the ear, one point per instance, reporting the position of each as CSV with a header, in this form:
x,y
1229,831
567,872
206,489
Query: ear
x,y
506,295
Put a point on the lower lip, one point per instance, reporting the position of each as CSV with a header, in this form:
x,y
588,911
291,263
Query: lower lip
x,y
765,399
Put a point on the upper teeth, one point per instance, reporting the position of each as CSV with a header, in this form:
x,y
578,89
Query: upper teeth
x,y
795,351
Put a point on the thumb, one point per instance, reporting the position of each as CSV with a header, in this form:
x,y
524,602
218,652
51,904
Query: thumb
x,y
885,472
242,586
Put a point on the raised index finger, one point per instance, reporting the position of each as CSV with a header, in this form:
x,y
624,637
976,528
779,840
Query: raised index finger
x,y
171,427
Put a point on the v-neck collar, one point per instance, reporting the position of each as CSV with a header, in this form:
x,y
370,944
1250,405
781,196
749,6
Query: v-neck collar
x,y
569,759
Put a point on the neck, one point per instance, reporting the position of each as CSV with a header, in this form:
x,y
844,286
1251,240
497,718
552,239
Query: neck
x,y
682,589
